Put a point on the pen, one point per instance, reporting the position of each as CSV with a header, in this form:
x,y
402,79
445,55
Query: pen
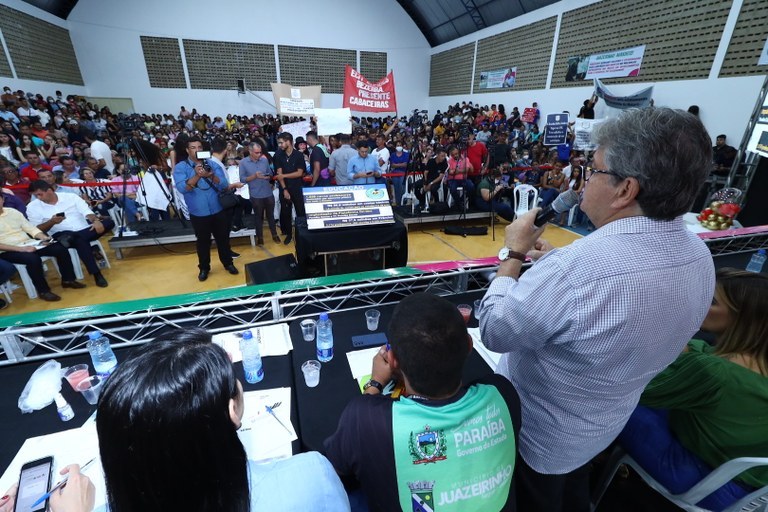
x,y
58,486
270,411
388,347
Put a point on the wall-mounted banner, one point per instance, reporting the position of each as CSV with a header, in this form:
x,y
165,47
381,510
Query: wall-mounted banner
x,y
640,99
556,130
297,101
582,129
614,64
498,78
360,95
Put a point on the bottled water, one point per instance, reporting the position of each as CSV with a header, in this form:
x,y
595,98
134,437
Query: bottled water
x,y
757,262
252,365
104,360
324,338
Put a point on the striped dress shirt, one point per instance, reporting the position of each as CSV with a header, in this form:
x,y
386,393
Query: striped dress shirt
x,y
586,328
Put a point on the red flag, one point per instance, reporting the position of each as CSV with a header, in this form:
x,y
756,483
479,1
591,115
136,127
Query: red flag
x,y
361,95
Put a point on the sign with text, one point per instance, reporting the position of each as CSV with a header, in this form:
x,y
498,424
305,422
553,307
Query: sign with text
x,y
640,99
346,206
529,115
582,130
615,64
498,78
298,129
556,130
296,101
361,95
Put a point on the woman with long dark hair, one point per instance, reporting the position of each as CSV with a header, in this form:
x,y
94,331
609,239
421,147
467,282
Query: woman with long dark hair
x,y
710,405
167,423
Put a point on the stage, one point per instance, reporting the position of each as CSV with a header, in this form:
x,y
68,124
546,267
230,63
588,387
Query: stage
x,y
167,232
404,215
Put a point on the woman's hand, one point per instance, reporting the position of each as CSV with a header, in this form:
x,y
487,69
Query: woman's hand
x,y
79,495
8,500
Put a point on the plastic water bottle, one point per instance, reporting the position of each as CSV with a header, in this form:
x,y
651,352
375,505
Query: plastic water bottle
x,y
757,262
104,360
252,365
63,408
324,338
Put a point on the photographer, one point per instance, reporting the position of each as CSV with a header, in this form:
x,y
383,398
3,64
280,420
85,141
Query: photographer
x,y
200,185
490,190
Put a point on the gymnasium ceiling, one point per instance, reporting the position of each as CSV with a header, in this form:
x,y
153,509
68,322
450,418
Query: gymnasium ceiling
x,y
439,20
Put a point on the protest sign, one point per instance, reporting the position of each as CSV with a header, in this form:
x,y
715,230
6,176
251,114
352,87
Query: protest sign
x,y
556,130
298,129
614,64
529,115
640,99
361,95
498,78
582,129
331,121
297,101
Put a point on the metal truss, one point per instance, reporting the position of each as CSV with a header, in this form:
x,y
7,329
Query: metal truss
x,y
68,336
474,13
737,244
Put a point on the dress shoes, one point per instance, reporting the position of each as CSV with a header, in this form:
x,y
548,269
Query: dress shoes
x,y
203,275
232,270
100,281
260,241
276,239
49,297
288,240
77,285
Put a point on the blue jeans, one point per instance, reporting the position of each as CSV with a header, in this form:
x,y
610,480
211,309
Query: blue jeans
x,y
7,270
469,189
397,183
130,208
548,195
647,439
500,207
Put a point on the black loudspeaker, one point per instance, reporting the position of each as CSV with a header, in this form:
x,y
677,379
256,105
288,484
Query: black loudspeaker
x,y
755,213
273,270
240,85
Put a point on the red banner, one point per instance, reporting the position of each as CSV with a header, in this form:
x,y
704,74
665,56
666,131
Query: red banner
x,y
361,95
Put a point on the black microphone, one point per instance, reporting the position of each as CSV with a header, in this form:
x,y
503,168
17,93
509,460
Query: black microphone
x,y
562,203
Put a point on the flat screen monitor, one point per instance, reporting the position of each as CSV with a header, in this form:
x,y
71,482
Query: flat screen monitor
x,y
347,206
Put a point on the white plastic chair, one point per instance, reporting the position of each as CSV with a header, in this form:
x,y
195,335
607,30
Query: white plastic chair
x,y
408,194
76,263
756,501
523,201
6,289
29,286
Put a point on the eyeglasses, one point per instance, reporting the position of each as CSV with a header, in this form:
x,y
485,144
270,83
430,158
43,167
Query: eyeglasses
x,y
589,172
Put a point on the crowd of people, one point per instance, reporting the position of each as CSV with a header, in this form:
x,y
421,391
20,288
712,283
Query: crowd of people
x,y
587,333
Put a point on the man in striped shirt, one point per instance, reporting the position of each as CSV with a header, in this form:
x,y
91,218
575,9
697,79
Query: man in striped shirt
x,y
586,328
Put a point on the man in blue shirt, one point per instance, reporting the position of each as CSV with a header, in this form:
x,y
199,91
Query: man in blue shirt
x,y
200,187
363,168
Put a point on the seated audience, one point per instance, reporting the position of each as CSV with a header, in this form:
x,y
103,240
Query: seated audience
x,y
15,233
16,183
179,393
551,183
100,199
457,175
68,219
419,451
723,156
11,201
710,405
125,194
68,167
434,174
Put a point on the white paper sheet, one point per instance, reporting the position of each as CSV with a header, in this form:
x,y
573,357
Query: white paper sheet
x,y
331,121
361,361
274,340
262,435
490,357
75,446
298,129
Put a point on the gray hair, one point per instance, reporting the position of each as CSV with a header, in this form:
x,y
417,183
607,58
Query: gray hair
x,y
253,145
668,152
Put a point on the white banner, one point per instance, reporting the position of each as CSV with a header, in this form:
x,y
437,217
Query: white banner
x,y
299,129
640,99
498,78
331,121
615,64
582,129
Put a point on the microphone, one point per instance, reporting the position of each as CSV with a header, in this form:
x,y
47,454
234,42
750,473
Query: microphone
x,y
562,203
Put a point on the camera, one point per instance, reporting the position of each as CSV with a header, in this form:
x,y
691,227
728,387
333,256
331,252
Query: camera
x,y
203,156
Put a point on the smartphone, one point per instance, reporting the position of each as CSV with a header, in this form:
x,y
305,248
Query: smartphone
x,y
34,481
369,340
203,155
60,214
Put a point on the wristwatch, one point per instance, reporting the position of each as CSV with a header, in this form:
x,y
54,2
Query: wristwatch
x,y
374,384
507,254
